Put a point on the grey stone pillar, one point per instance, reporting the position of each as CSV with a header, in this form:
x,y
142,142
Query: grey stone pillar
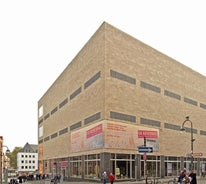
x,y
198,167
162,166
181,163
138,167
83,166
68,169
105,162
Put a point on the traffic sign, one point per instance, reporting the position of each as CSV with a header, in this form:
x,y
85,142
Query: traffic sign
x,y
143,149
197,154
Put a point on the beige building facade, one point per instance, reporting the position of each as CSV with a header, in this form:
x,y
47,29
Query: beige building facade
x,y
116,95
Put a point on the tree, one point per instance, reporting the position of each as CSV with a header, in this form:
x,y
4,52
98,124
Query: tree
x,y
13,157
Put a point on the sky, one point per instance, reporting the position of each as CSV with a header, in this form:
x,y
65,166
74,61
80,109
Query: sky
x,y
39,38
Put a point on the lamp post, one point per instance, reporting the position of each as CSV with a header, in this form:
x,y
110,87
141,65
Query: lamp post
x,y
1,165
192,139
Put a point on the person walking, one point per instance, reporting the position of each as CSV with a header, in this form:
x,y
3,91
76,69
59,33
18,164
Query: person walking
x,y
192,175
111,178
104,177
186,179
180,177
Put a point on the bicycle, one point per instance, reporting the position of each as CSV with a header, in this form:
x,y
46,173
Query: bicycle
x,y
153,181
174,181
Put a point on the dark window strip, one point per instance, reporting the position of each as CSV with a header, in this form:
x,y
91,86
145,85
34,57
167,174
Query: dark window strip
x,y
92,80
47,116
150,122
76,125
203,105
172,126
172,95
63,131
46,139
188,129
75,93
202,132
41,120
150,87
54,135
41,141
92,118
190,101
64,102
124,117
54,110
122,77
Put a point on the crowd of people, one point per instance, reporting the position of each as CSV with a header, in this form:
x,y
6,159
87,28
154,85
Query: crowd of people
x,y
23,178
187,178
183,178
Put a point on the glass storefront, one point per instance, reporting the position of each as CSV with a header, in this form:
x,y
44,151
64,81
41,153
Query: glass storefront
x,y
124,166
150,166
76,167
92,166
202,167
172,166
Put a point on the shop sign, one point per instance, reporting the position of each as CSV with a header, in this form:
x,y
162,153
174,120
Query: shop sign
x,y
147,134
63,163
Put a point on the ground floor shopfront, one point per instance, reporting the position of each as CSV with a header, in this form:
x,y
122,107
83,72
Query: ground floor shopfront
x,y
124,166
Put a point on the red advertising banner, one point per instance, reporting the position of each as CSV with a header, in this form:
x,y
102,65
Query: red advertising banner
x,y
147,134
88,138
110,134
94,131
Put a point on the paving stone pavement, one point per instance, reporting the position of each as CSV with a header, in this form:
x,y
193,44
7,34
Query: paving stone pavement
x,y
160,181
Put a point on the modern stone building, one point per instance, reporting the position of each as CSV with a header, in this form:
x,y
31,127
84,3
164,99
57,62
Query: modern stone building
x,y
118,94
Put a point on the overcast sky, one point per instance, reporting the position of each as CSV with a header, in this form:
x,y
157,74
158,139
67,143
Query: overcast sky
x,y
39,38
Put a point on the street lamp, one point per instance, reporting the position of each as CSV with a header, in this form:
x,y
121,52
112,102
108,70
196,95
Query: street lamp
x,y
192,139
1,164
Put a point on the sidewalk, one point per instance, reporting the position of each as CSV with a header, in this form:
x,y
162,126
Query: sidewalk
x,y
163,181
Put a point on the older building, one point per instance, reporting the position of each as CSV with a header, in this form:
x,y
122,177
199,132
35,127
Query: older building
x,y
116,95
2,159
27,159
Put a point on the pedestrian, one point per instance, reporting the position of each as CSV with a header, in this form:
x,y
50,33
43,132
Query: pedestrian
x,y
104,177
192,175
111,178
180,177
20,179
186,179
184,173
